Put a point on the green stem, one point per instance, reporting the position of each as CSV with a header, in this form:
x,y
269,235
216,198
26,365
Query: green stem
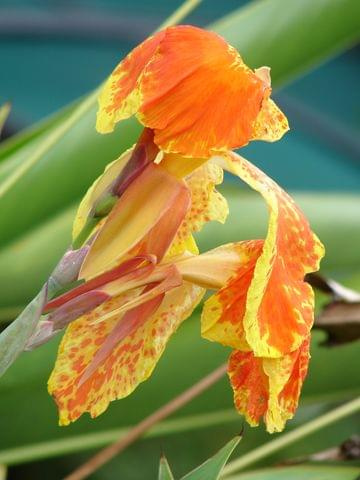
x,y
88,441
291,437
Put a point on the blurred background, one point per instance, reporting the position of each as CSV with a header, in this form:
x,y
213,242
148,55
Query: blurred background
x,y
53,52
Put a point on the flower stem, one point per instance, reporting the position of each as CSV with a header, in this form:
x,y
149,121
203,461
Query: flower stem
x,y
138,430
291,437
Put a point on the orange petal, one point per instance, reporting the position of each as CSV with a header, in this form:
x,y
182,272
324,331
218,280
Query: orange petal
x,y
153,194
198,95
131,361
268,388
120,97
278,313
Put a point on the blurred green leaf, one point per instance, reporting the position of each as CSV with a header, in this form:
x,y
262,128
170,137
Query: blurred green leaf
x,y
164,470
211,469
272,32
4,113
13,339
302,472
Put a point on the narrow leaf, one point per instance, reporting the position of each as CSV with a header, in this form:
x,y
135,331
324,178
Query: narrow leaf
x,y
164,470
303,472
4,113
211,469
14,338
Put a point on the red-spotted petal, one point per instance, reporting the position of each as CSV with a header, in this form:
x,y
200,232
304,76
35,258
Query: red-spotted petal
x,y
278,307
130,362
268,388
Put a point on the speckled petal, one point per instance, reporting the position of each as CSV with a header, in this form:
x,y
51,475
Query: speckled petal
x,y
131,361
207,204
268,388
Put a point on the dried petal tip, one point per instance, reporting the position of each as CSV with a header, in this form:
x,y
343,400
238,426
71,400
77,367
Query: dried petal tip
x,y
194,90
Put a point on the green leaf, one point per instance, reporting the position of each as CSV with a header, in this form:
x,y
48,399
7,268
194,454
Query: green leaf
x,y
13,339
164,470
211,469
272,32
4,113
302,472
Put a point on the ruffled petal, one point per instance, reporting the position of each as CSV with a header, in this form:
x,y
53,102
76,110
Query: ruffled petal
x,y
194,90
271,124
268,388
207,204
130,362
210,99
279,305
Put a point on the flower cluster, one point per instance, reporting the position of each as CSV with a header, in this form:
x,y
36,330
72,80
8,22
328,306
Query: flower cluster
x,y
140,273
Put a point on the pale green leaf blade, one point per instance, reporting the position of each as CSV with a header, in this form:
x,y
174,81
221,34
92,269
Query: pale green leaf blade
x,y
164,470
4,113
303,472
13,339
211,469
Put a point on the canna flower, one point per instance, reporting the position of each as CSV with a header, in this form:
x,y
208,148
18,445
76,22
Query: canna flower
x,y
143,277
194,91
137,269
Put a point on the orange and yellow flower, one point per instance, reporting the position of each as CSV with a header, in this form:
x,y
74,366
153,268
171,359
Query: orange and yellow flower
x,y
141,273
194,91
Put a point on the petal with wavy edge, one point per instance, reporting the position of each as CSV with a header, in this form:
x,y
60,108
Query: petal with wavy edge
x,y
131,362
268,388
279,304
207,204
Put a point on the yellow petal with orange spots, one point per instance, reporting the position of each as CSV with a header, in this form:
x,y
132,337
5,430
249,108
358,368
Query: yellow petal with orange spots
x,y
268,388
270,124
131,361
207,204
101,184
278,311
